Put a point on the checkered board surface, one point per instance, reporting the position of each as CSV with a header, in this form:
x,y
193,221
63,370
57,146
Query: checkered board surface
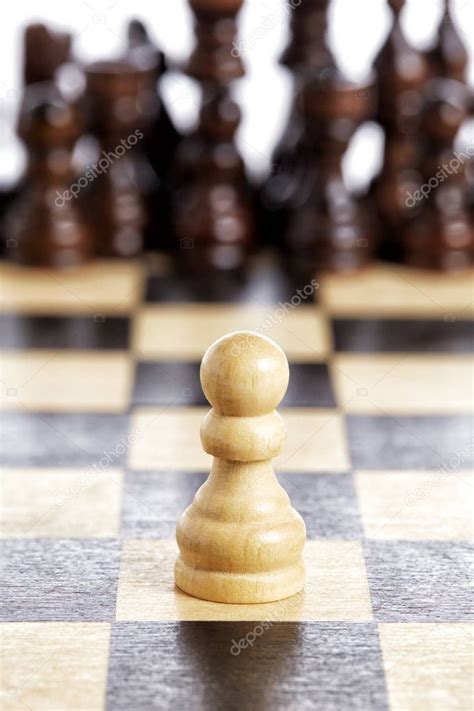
x,y
100,413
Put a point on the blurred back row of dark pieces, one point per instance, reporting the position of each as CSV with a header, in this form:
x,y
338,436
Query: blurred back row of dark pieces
x,y
146,187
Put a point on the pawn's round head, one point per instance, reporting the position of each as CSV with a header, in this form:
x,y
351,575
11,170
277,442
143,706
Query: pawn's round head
x,y
244,374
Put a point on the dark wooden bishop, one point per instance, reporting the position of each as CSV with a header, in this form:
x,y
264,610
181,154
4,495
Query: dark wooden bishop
x,y
161,138
45,226
307,54
213,213
442,236
401,74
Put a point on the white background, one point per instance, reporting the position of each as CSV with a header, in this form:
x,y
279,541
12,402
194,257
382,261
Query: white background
x,y
357,29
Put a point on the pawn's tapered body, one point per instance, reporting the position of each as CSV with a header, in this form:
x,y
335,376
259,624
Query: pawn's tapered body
x,y
240,540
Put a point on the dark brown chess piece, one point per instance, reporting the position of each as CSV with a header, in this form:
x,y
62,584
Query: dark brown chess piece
x,y
401,73
307,54
448,57
44,52
45,225
119,100
442,237
161,138
329,229
213,214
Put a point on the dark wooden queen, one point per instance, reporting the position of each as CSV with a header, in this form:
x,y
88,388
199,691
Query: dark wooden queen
x,y
325,227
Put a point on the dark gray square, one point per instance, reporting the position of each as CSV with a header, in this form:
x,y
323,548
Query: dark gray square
x,y
261,282
421,442
374,335
330,666
327,502
166,383
153,502
178,384
91,332
59,580
420,581
61,439
309,386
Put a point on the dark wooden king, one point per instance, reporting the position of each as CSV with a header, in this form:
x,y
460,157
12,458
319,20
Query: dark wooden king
x,y
213,211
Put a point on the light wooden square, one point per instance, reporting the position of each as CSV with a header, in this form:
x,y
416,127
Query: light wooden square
x,y
54,666
102,287
60,503
392,290
169,438
336,587
403,384
416,505
428,666
184,332
65,381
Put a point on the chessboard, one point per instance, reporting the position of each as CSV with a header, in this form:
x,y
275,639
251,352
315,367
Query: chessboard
x,y
100,412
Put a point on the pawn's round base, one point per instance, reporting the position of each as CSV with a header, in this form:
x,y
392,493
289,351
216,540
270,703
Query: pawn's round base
x,y
240,588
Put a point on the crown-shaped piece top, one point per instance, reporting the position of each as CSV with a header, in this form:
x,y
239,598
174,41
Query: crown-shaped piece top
x,y
244,374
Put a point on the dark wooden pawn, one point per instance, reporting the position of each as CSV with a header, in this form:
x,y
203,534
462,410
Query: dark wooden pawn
x,y
401,74
213,211
45,226
329,229
442,237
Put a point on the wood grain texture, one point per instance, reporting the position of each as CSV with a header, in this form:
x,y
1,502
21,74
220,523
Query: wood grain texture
x,y
415,442
38,658
383,290
419,581
402,384
154,500
169,438
336,587
404,576
428,505
184,332
60,381
240,540
428,665
105,287
60,503
43,439
59,580
328,666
